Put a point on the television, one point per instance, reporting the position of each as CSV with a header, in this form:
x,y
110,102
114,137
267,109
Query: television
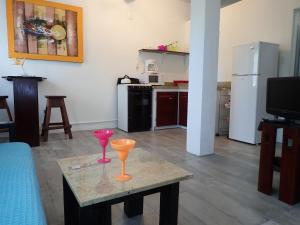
x,y
283,97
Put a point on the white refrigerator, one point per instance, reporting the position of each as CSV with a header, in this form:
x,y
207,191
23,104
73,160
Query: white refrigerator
x,y
253,64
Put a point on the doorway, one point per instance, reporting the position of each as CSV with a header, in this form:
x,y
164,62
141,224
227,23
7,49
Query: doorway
x,y
295,47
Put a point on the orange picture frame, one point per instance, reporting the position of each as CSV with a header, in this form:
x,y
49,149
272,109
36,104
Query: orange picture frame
x,y
26,17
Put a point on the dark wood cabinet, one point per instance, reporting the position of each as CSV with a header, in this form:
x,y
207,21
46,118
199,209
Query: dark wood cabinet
x,y
26,108
183,107
167,109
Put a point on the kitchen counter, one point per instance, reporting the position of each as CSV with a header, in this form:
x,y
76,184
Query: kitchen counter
x,y
169,106
222,85
168,87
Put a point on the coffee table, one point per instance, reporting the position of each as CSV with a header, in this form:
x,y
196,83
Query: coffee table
x,y
90,188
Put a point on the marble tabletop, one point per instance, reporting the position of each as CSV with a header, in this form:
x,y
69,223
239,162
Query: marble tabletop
x,y
93,183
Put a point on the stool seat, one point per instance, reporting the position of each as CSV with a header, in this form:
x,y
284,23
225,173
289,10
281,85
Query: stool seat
x,y
56,102
55,96
3,97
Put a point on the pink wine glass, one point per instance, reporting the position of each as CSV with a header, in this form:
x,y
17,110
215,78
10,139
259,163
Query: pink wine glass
x,y
103,136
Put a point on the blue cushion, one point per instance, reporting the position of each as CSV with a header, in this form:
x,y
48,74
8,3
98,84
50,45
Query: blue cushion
x,y
20,202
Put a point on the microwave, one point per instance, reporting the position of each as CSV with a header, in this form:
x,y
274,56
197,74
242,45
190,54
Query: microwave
x,y
151,78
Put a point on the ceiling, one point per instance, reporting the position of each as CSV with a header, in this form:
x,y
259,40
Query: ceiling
x,y
228,2
224,3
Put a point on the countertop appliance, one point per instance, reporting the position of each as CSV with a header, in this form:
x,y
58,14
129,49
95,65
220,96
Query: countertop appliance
x,y
253,64
151,78
151,74
151,66
134,107
283,97
128,80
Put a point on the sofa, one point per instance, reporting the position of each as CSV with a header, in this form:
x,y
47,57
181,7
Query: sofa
x,y
20,201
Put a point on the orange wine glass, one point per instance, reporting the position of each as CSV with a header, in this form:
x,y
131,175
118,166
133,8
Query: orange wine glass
x,y
122,147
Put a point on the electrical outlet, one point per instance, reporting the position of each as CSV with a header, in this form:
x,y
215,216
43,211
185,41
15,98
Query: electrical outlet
x,y
290,143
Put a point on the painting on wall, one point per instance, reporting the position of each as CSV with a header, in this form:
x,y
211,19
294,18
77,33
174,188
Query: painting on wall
x,y
44,30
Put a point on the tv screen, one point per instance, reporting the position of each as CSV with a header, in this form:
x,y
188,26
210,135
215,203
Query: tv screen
x,y
283,97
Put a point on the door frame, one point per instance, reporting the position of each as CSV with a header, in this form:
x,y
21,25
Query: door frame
x,y
294,47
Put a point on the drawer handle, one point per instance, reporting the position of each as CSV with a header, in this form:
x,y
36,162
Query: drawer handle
x,y
170,98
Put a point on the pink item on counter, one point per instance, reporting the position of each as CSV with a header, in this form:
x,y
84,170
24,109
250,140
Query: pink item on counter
x,y
103,136
162,48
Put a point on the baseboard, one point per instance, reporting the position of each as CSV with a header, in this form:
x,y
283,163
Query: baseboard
x,y
110,124
168,127
94,125
165,127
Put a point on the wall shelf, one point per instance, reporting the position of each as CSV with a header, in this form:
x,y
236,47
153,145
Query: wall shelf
x,y
164,52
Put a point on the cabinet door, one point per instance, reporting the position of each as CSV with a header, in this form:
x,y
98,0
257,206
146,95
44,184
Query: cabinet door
x,y
167,108
183,107
139,110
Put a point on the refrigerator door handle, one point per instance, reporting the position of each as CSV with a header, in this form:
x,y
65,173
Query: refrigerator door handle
x,y
245,75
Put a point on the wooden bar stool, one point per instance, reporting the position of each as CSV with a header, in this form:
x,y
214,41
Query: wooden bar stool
x,y
7,126
4,105
56,102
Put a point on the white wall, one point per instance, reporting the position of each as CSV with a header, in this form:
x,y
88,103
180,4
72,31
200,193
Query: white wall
x,y
114,30
256,20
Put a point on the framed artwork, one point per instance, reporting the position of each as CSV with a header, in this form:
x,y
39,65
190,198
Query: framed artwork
x,y
44,30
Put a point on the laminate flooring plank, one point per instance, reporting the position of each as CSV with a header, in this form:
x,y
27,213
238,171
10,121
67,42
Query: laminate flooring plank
x,y
222,192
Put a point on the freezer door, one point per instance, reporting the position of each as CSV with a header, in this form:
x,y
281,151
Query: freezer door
x,y
243,106
246,60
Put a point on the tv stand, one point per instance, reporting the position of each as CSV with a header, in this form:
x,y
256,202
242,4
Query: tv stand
x,y
279,121
289,190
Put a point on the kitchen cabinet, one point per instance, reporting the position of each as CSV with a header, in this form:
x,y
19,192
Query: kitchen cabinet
x,y
183,107
167,109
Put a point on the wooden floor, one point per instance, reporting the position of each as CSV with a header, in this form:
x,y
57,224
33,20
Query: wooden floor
x,y
222,192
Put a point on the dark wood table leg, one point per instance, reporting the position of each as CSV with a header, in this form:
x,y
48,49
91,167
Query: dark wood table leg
x,y
133,206
267,154
169,198
70,205
289,191
98,214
